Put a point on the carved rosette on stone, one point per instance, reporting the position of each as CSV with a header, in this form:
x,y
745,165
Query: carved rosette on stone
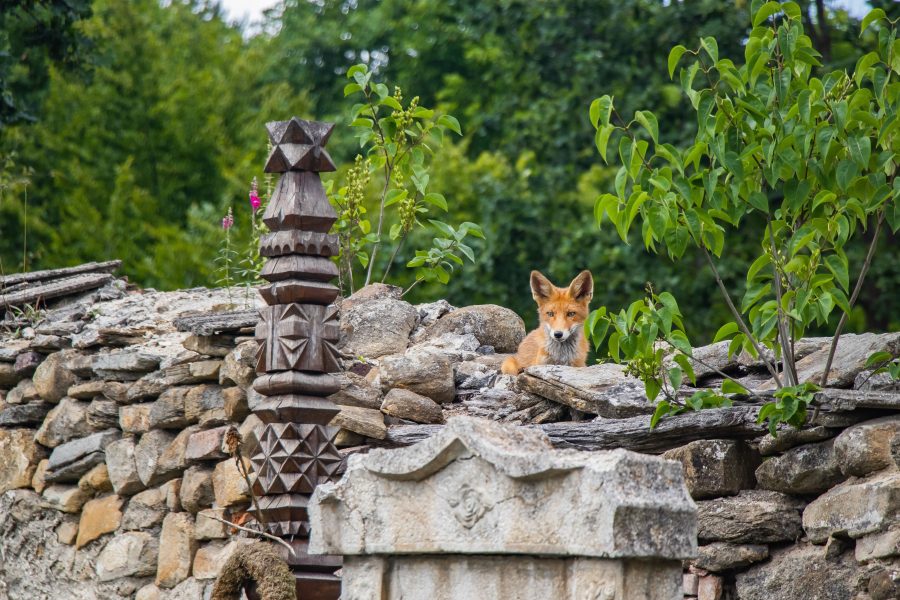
x,y
297,334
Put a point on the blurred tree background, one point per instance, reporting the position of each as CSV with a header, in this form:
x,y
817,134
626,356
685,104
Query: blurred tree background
x,y
128,127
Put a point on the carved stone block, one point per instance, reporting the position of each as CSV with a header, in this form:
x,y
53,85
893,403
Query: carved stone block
x,y
298,337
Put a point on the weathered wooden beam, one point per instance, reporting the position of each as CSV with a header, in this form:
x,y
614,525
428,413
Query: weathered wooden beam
x,y
55,289
213,324
92,267
633,433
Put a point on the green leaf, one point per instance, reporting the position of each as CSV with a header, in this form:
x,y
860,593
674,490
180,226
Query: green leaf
x,y
662,409
846,173
767,10
391,102
601,139
758,201
394,196
878,358
685,363
712,48
675,376
675,55
864,65
451,123
838,266
860,149
352,88
442,227
726,331
601,110
733,387
874,15
436,199
680,341
648,120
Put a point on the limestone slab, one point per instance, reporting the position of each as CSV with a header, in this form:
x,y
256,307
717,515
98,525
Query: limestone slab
x,y
478,487
854,508
602,389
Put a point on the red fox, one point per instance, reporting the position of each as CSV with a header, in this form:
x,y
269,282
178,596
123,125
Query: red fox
x,y
559,339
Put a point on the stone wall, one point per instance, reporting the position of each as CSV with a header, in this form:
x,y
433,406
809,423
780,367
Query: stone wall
x,y
112,419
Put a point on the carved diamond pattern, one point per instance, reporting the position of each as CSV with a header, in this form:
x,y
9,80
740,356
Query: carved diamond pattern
x,y
298,337
294,458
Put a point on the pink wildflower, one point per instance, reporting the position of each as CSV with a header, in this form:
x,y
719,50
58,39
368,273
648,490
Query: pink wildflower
x,y
254,195
228,221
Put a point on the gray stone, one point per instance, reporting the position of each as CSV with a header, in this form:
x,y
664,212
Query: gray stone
x,y
207,528
206,445
405,404
147,454
854,508
23,415
76,451
27,362
429,313
87,390
117,391
122,469
473,375
19,457
751,517
879,382
715,468
209,345
369,293
147,387
455,347
102,414
454,492
511,406
66,498
721,556
807,469
202,398
168,411
8,375
74,470
235,408
173,458
23,393
238,368
52,379
884,544
197,489
602,389
376,328
801,571
866,447
66,421
424,372
788,438
364,421
124,365
356,391
131,554
145,510
492,325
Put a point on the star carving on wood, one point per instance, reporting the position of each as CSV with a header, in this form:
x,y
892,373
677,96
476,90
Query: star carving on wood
x,y
299,145
298,337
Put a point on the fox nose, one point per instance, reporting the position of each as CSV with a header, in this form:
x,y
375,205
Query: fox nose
x,y
558,334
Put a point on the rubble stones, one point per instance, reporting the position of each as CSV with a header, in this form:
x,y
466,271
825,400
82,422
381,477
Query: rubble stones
x,y
23,415
601,389
423,372
405,404
24,392
122,468
716,467
131,554
377,327
177,537
721,556
235,404
866,447
208,528
789,437
807,469
238,368
229,487
356,391
147,453
751,517
145,510
854,508
492,325
87,390
884,544
98,517
364,421
135,418
66,421
66,498
124,365
168,412
206,445
52,379
197,489
71,460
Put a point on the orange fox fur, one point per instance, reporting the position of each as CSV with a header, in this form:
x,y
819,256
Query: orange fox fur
x,y
559,338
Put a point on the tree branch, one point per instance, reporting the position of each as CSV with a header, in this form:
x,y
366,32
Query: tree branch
x,y
268,536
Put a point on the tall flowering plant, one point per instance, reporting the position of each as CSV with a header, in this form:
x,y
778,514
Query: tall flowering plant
x,y
226,254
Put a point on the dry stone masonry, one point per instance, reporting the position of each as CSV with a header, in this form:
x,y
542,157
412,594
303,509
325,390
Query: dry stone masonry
x,y
115,402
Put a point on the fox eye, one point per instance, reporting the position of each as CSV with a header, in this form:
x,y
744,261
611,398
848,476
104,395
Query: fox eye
x,y
549,313
570,314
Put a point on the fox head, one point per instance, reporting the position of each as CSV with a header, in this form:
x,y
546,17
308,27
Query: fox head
x,y
562,311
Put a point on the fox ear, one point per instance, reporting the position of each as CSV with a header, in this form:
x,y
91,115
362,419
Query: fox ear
x,y
541,288
582,287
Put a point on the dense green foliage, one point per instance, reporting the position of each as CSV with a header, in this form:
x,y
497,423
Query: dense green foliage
x,y
139,154
814,159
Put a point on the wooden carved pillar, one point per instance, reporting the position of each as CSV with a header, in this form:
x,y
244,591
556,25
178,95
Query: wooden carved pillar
x,y
297,336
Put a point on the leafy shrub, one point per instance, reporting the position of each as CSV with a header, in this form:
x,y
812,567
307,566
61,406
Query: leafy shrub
x,y
805,162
